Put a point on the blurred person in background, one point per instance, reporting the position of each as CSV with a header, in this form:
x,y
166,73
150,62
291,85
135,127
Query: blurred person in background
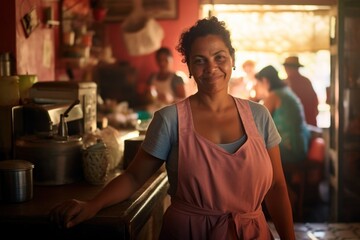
x,y
288,114
166,85
303,88
241,87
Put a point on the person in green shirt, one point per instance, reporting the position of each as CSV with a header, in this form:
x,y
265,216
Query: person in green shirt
x,y
287,112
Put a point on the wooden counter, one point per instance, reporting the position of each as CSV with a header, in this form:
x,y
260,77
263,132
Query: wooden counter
x,y
128,220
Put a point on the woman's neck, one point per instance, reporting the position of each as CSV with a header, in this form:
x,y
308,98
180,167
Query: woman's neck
x,y
216,103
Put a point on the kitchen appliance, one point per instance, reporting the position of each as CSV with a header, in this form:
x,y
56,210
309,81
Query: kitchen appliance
x,y
48,130
42,137
59,92
46,101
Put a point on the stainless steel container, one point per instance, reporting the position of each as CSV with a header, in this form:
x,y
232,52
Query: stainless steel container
x,y
16,181
56,161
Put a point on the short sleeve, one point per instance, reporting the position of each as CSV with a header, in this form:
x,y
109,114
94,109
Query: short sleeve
x,y
161,133
265,124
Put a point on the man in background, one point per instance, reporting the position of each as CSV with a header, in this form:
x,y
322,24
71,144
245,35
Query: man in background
x,y
303,88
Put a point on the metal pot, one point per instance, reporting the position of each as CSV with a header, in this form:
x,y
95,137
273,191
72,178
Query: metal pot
x,y
16,180
57,161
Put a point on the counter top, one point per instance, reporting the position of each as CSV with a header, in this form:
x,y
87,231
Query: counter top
x,y
121,221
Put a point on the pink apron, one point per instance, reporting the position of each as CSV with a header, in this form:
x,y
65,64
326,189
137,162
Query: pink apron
x,y
219,194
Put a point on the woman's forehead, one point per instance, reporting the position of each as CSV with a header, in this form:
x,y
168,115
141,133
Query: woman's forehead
x,y
209,44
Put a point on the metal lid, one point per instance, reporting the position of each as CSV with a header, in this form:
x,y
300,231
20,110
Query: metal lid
x,y
15,165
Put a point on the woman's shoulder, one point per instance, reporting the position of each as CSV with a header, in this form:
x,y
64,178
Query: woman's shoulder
x,y
260,113
256,106
168,113
258,110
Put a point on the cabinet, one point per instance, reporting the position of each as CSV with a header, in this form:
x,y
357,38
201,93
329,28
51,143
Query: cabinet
x,y
344,145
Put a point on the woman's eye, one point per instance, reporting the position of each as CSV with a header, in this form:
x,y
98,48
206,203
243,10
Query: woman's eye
x,y
199,61
220,58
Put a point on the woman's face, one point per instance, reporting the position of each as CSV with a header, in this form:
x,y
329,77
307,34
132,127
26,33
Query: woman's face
x,y
164,62
210,63
262,88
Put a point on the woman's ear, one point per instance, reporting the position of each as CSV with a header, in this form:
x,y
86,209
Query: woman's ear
x,y
233,60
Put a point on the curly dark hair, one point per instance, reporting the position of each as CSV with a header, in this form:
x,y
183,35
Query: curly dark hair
x,y
203,27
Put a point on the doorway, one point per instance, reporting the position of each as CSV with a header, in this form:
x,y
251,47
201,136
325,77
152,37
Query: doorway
x,y
267,34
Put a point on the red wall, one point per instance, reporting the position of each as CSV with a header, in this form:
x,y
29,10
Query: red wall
x,y
7,26
188,13
29,52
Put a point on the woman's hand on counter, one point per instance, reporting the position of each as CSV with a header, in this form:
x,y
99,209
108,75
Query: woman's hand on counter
x,y
71,212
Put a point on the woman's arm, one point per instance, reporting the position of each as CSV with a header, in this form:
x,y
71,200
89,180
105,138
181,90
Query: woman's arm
x,y
277,199
73,212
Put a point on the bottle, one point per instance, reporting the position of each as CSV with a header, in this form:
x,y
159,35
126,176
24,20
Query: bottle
x,y
5,64
9,85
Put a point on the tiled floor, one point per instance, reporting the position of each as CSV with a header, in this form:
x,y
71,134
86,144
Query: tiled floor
x,y
324,231
316,225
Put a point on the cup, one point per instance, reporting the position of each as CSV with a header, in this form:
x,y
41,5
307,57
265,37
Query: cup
x,y
25,83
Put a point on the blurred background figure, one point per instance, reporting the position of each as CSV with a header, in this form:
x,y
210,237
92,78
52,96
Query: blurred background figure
x,y
303,88
288,114
241,87
166,85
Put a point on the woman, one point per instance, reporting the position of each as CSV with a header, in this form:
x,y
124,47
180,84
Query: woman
x,y
165,85
287,112
221,155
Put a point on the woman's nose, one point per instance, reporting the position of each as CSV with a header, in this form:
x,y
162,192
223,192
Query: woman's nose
x,y
211,66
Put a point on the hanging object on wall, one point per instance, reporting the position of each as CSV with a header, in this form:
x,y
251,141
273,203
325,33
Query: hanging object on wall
x,y
142,34
29,20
